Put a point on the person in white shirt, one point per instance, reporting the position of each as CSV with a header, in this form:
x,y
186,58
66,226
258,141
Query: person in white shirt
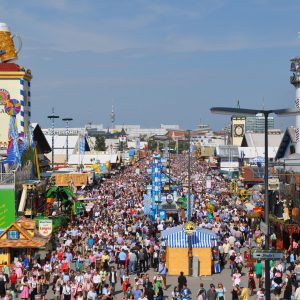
x,y
47,269
160,227
297,292
67,291
92,295
143,297
79,279
97,281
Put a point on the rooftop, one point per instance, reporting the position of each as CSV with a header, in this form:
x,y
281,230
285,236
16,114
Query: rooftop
x,y
9,67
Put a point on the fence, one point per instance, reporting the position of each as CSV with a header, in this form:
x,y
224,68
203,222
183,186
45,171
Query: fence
x,y
7,178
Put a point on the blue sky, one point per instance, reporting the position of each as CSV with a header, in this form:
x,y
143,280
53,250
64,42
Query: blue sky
x,y
164,61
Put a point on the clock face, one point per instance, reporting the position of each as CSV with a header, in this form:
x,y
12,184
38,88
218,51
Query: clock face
x,y
239,130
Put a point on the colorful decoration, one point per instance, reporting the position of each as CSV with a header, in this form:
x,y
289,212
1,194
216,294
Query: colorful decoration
x,y
156,182
13,152
12,107
4,96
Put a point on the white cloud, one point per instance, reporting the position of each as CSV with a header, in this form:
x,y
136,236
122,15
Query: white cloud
x,y
125,32
193,43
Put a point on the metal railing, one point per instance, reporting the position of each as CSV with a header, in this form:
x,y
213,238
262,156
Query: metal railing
x,y
7,178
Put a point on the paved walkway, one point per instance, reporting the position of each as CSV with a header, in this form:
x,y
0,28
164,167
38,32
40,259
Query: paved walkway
x,y
193,283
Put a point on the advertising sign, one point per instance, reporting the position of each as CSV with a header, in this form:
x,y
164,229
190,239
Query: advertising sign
x,y
162,215
273,184
45,227
7,207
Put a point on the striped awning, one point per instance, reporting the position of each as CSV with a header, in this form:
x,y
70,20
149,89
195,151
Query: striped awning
x,y
199,240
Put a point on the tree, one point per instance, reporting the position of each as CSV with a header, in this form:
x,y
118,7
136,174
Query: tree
x,y
183,145
100,143
153,144
62,194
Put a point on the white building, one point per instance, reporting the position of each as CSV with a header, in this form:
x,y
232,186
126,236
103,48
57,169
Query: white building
x,y
14,84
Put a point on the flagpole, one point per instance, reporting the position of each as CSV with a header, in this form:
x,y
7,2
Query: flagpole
x,y
78,151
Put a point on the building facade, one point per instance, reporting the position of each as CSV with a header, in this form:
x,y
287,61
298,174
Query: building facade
x,y
14,84
257,123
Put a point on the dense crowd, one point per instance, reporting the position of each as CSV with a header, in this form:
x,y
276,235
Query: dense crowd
x,y
116,245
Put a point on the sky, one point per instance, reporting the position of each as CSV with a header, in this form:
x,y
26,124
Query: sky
x,y
159,61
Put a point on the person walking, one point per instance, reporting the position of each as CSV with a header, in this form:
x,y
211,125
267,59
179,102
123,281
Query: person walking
x,y
211,293
112,277
25,288
258,272
235,293
142,263
162,269
244,293
181,281
132,262
220,291
67,291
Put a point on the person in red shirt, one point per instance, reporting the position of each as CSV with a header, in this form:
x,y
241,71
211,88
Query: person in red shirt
x,y
60,255
64,266
13,280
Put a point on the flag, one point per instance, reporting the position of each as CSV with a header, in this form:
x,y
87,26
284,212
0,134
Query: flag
x,y
82,144
13,151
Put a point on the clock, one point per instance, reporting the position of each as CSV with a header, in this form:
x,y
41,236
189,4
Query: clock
x,y
238,130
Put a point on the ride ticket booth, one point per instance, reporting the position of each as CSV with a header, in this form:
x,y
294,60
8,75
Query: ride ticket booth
x,y
19,239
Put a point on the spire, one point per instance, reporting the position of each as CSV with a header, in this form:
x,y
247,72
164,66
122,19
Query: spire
x,y
238,104
112,117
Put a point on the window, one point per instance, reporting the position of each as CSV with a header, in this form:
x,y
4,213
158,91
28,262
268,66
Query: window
x,y
13,235
292,149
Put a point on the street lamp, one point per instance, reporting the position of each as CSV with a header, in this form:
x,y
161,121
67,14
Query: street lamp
x,y
189,208
52,118
67,120
266,113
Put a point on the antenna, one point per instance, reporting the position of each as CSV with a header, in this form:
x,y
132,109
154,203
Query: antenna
x,y
112,116
263,103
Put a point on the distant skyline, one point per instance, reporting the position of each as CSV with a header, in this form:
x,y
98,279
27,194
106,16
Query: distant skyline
x,y
159,62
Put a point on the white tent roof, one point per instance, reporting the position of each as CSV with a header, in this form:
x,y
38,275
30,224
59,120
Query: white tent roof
x,y
132,144
253,152
255,139
88,159
60,143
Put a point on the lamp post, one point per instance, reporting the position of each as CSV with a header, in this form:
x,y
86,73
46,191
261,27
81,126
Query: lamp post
x,y
67,120
266,113
189,206
52,118
169,158
189,176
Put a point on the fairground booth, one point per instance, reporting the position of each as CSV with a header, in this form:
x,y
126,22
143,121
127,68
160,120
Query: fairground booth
x,y
19,239
177,255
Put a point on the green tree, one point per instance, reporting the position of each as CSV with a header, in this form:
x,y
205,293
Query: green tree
x,y
62,194
183,145
152,145
100,143
28,155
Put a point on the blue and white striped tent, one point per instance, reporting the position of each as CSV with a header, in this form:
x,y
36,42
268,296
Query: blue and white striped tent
x,y
177,238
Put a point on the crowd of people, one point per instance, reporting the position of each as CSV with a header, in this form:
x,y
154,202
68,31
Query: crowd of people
x,y
112,249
